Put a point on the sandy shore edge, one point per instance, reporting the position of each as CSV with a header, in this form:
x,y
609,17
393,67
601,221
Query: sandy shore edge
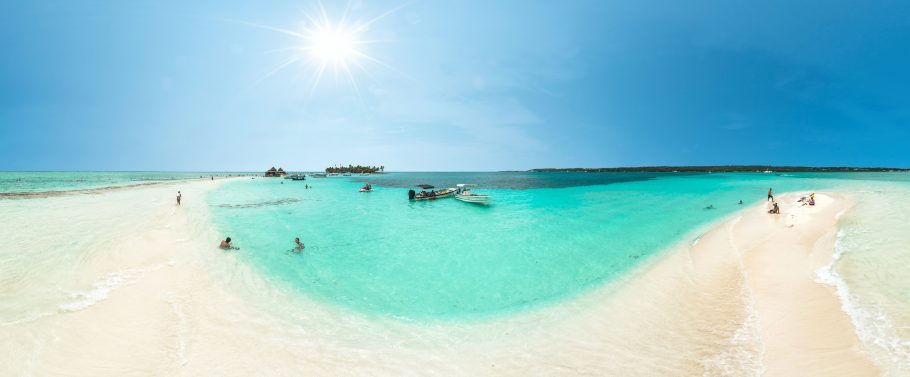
x,y
742,300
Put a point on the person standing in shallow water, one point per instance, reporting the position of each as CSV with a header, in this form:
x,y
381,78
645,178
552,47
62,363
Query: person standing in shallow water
x,y
770,195
178,197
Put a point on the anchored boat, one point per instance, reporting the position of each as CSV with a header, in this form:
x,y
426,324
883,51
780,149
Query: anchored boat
x,y
296,177
430,195
465,193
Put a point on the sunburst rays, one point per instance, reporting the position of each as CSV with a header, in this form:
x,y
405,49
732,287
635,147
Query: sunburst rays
x,y
323,46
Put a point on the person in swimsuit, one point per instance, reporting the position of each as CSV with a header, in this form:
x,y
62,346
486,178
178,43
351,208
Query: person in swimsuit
x,y
775,209
770,196
226,244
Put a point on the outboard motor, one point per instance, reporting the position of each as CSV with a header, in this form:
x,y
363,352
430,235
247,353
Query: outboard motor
x,y
411,194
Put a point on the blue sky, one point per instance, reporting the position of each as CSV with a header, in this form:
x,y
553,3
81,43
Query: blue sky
x,y
505,85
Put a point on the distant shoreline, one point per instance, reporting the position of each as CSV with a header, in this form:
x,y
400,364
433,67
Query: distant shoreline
x,y
720,169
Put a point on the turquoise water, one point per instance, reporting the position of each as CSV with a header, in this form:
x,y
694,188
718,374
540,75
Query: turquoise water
x,y
548,236
22,182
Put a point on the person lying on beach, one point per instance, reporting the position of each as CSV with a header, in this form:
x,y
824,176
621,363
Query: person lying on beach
x,y
226,244
807,200
299,244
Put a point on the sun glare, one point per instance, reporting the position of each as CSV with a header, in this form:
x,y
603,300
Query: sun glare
x,y
335,46
326,45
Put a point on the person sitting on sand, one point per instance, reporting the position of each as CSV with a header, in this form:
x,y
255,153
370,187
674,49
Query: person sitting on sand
x,y
226,244
299,244
812,199
775,209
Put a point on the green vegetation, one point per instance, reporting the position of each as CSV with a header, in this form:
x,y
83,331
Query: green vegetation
x,y
355,169
719,169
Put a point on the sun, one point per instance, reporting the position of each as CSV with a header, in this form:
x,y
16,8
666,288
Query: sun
x,y
322,44
336,46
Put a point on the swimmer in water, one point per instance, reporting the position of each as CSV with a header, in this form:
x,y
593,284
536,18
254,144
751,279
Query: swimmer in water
x,y
300,245
226,244
710,206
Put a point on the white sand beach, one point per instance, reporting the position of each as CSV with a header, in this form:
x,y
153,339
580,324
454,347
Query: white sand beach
x,y
148,293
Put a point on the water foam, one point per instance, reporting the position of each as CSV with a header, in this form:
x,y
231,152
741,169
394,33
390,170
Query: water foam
x,y
181,332
871,323
101,288
744,350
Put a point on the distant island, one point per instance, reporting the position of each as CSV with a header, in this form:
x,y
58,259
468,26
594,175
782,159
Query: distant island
x,y
719,169
355,169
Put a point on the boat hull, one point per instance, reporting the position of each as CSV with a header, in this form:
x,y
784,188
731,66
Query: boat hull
x,y
478,199
439,195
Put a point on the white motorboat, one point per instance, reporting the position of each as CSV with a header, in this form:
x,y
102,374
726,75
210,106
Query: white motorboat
x,y
465,193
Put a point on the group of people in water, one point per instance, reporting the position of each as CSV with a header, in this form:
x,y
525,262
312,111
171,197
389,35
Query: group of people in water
x,y
226,245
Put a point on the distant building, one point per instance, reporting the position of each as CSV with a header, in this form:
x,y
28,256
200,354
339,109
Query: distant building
x,y
275,172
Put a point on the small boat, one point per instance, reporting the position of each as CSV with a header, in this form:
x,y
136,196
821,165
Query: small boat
x,y
333,174
465,193
430,195
346,174
296,177
318,175
367,188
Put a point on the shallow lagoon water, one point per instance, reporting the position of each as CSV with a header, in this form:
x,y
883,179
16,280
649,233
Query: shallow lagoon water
x,y
445,271
378,253
30,182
